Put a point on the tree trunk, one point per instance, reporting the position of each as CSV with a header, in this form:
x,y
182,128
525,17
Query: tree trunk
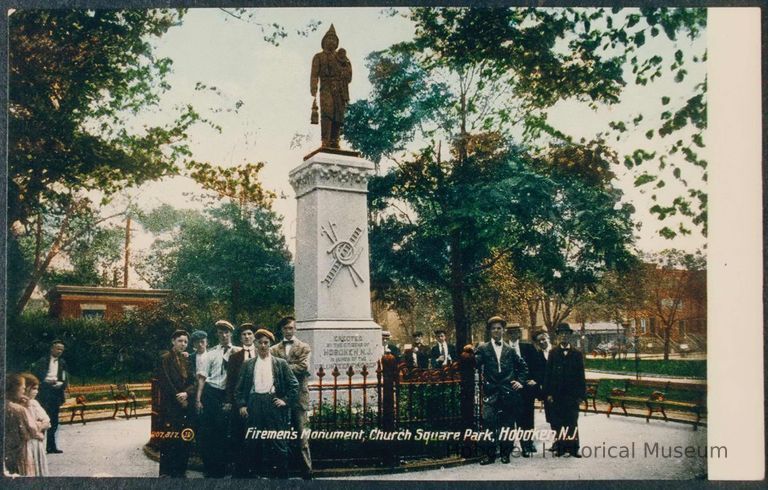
x,y
34,279
41,267
667,329
127,251
533,309
457,293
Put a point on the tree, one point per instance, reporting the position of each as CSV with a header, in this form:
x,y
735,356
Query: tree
x,y
232,258
490,199
77,77
75,232
227,256
672,278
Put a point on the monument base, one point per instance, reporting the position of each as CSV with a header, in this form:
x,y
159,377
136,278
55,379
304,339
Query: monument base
x,y
341,343
333,151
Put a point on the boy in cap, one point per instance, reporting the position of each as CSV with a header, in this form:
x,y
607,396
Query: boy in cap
x,y
266,390
176,384
565,388
388,346
212,403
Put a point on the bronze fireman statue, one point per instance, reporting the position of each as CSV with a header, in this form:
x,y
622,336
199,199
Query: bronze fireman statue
x,y
332,69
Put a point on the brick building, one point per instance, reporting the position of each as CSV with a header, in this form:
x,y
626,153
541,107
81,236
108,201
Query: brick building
x,y
100,302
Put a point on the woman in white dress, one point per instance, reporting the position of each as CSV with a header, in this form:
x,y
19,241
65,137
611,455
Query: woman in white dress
x,y
36,413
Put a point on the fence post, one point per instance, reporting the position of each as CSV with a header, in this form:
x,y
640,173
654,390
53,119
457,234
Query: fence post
x,y
467,364
389,374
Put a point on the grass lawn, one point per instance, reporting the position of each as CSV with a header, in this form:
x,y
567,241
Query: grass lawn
x,y
109,380
673,367
606,385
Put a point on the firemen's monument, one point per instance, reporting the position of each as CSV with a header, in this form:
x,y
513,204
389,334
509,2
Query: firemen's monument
x,y
332,279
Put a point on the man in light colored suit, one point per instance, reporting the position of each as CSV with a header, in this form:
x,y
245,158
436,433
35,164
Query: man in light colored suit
x,y
297,354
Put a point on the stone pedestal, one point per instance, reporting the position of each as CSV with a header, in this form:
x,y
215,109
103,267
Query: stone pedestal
x,y
332,296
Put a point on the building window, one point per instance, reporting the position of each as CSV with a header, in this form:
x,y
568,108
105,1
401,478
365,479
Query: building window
x,y
681,328
92,312
643,326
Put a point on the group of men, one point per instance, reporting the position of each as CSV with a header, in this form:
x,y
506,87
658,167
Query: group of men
x,y
515,375
418,355
231,395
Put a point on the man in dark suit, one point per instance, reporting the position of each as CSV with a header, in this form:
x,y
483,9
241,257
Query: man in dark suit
x,y
417,356
176,384
442,353
297,353
503,373
51,370
565,388
537,365
234,365
265,392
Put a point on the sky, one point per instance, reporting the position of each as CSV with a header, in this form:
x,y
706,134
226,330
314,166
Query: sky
x,y
215,49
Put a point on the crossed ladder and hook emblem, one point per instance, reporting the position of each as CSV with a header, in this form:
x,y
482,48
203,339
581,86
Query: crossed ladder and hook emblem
x,y
344,254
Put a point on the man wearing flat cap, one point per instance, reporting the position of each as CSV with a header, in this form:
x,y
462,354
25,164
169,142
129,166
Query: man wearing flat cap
x,y
504,374
565,388
234,366
296,353
212,403
388,346
266,390
175,383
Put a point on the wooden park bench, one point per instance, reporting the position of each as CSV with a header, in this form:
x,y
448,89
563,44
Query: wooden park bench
x,y
105,397
592,387
635,392
659,401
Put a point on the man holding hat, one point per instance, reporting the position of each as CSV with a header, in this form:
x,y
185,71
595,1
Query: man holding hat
x,y
212,403
504,373
296,353
267,388
565,388
234,366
